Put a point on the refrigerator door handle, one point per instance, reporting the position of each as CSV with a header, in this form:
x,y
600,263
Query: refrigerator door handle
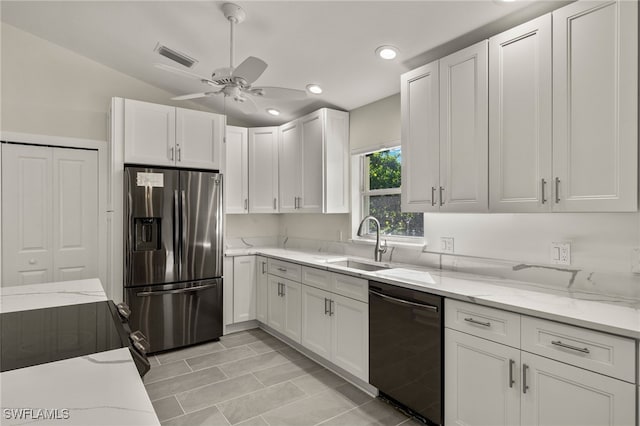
x,y
176,233
219,227
184,224
177,291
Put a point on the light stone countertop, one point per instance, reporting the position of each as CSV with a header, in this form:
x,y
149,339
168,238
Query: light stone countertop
x,y
98,389
597,312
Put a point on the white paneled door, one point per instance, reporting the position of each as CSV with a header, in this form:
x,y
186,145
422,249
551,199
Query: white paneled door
x,y
50,214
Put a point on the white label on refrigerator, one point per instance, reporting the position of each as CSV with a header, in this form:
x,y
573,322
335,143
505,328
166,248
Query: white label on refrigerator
x,y
150,179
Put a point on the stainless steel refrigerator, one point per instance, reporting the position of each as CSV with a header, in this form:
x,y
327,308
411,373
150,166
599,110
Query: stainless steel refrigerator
x,y
173,255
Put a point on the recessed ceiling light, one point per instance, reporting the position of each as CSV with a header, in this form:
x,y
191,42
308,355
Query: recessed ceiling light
x,y
387,52
273,111
314,88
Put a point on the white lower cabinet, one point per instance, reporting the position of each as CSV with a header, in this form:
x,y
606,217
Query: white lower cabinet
x,y
244,288
478,386
284,306
336,328
262,288
489,383
560,394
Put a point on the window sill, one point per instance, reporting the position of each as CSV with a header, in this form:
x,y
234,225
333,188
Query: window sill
x,y
416,244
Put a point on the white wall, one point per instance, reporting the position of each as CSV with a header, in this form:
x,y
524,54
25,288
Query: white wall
x,y
47,89
252,225
375,125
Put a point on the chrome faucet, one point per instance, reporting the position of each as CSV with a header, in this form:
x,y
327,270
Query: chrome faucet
x,y
378,251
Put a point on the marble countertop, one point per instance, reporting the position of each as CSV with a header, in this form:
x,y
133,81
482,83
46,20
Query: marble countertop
x,y
38,296
98,389
598,312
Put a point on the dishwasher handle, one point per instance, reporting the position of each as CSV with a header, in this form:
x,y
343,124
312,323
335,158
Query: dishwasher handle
x,y
404,302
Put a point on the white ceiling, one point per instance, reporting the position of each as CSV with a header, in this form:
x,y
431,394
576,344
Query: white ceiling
x,y
331,43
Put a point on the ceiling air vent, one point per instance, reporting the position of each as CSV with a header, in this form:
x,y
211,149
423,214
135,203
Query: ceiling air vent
x,y
175,56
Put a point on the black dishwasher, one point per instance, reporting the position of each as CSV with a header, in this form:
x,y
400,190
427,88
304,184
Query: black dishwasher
x,y
406,348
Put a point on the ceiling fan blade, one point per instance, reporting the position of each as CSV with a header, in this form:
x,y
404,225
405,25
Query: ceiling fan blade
x,y
282,93
184,73
250,69
193,96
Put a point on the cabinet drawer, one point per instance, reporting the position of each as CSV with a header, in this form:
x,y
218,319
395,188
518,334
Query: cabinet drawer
x,y
592,350
316,278
492,324
283,269
346,285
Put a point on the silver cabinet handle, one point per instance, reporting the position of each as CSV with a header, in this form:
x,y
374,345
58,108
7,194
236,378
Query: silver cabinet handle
x,y
441,197
275,202
282,269
283,288
279,289
326,309
557,190
525,387
246,204
511,381
179,150
573,348
433,196
331,310
264,267
471,320
543,184
171,153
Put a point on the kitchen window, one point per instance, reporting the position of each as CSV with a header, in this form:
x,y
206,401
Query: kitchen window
x,y
379,183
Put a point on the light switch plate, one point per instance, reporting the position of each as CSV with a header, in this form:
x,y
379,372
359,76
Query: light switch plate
x,y
560,253
446,244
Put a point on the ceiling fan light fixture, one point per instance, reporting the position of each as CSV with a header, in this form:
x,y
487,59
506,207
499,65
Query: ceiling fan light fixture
x,y
387,52
273,111
314,88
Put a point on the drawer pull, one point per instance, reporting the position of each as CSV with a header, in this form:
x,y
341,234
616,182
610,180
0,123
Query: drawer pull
x,y
282,269
471,320
574,348
525,386
511,381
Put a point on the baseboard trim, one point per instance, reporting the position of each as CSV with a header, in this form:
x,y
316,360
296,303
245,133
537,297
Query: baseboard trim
x,y
240,326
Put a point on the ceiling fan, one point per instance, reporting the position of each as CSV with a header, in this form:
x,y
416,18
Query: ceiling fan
x,y
236,82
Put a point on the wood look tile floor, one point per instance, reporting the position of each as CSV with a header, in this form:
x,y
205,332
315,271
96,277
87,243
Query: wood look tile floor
x,y
252,378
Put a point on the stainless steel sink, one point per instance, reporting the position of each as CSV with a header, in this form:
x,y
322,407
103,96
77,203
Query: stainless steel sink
x,y
354,264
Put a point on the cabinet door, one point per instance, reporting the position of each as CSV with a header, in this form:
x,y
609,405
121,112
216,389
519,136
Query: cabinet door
x,y
292,309
520,118
420,139
236,171
263,170
336,161
312,155
560,394
482,385
350,335
244,288
464,154
227,290
199,137
262,289
316,322
289,167
27,231
275,301
149,133
595,106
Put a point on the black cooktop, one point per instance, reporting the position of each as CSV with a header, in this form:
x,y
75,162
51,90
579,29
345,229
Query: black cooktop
x,y
52,334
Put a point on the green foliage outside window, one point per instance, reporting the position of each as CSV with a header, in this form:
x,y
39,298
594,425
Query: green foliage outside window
x,y
385,173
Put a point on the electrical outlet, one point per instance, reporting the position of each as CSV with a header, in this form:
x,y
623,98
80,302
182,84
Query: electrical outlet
x,y
446,244
561,253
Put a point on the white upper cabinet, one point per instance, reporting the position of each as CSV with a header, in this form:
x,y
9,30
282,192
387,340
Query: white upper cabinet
x,y
263,170
149,133
464,173
420,139
314,163
161,135
520,115
595,106
236,171
198,139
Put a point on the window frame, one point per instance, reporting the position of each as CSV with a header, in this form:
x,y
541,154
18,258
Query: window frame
x,y
361,192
